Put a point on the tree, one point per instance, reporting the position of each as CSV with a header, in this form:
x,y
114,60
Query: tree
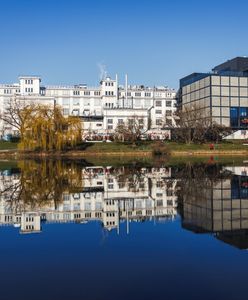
x,y
42,184
131,130
17,114
42,127
196,126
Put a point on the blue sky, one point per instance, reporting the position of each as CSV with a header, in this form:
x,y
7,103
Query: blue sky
x,y
155,42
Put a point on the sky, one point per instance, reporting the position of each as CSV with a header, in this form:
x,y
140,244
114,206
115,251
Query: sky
x,y
155,42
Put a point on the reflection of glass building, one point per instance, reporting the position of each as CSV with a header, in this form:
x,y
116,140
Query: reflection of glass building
x,y
221,208
221,95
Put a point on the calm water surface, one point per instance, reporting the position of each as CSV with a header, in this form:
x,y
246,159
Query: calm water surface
x,y
72,231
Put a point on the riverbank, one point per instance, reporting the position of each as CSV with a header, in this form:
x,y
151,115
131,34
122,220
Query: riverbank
x,y
142,149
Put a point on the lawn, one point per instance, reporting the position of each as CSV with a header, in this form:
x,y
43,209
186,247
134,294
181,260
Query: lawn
x,y
172,146
117,147
7,145
223,146
146,146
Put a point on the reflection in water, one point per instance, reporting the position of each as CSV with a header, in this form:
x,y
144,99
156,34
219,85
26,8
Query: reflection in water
x,y
215,200
58,191
209,198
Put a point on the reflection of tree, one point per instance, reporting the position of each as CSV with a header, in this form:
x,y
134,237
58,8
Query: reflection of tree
x,y
43,183
132,178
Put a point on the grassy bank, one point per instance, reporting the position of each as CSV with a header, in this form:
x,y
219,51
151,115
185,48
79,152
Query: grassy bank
x,y
8,145
141,149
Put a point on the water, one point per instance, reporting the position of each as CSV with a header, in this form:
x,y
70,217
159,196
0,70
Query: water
x,y
73,231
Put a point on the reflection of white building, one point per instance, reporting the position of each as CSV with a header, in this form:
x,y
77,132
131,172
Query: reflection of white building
x,y
101,108
106,196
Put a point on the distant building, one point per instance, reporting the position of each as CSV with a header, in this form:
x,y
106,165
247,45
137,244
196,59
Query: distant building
x,y
94,104
221,95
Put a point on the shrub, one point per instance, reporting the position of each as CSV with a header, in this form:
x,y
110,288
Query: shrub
x,y
160,148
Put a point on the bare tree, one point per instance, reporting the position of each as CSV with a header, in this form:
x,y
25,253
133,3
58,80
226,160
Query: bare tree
x,y
131,130
195,125
17,114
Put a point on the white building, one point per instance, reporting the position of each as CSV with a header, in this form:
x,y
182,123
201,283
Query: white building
x,y
105,196
96,106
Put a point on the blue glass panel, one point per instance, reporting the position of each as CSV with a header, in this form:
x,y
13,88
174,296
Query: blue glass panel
x,y
234,116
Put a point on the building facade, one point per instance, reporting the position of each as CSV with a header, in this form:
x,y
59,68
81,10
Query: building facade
x,y
221,95
154,107
105,195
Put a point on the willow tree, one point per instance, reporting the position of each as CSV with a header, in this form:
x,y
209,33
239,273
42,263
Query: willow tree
x,y
42,184
42,127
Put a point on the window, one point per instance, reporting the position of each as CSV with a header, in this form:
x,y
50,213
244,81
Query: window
x,y
96,93
120,121
110,121
159,195
65,101
109,83
168,103
137,94
98,125
168,113
76,93
65,111
159,112
147,103
137,102
158,103
75,112
147,94
159,202
110,127
86,93
141,121
109,93
158,121
76,101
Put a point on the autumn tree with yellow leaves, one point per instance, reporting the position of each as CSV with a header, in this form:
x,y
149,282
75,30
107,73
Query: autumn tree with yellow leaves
x,y
42,127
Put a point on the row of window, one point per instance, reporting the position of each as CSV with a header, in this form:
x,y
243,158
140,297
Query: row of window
x,y
147,94
160,122
75,93
168,103
10,91
97,102
109,93
29,90
239,117
167,112
130,121
107,83
110,214
29,81
223,81
110,223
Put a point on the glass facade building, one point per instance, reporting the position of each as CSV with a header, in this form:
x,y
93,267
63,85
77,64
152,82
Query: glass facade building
x,y
221,95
